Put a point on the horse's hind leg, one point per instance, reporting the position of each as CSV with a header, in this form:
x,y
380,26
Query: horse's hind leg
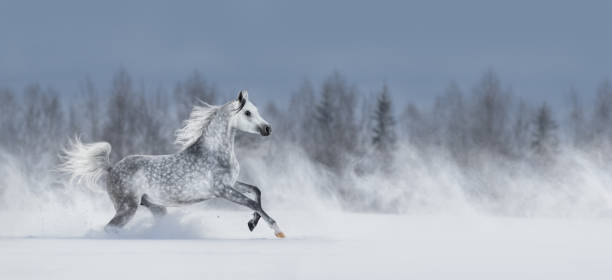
x,y
125,212
246,188
157,210
235,196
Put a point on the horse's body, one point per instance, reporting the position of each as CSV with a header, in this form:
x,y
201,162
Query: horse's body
x,y
205,168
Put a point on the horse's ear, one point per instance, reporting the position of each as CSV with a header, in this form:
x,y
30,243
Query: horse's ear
x,y
243,96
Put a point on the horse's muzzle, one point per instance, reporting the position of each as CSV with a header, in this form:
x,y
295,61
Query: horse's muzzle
x,y
265,130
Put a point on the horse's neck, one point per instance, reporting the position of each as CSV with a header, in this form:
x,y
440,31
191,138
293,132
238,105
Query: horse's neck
x,y
218,136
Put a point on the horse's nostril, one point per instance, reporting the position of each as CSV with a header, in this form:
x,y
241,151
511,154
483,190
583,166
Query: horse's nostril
x,y
265,130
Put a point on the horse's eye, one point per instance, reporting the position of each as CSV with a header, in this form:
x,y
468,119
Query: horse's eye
x,y
247,113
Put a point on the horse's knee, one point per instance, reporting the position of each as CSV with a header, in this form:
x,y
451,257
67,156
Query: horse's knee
x,y
144,200
128,206
257,191
159,211
125,211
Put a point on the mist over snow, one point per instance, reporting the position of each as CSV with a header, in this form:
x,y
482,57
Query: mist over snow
x,y
576,188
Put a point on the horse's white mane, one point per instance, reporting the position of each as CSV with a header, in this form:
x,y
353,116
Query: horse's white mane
x,y
193,127
198,120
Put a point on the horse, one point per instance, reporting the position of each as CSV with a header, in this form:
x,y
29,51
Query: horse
x,y
205,167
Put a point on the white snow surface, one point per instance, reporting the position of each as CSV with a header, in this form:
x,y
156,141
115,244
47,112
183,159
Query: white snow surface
x,y
198,243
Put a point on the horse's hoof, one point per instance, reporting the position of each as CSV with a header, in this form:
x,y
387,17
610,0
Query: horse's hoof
x,y
253,222
279,234
251,225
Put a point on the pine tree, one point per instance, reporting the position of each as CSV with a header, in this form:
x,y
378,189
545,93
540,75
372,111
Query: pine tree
x,y
384,138
336,133
324,111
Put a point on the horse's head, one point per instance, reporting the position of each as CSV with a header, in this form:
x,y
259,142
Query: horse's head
x,y
247,117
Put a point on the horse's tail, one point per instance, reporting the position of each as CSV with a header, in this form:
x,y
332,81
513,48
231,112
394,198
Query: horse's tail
x,y
85,162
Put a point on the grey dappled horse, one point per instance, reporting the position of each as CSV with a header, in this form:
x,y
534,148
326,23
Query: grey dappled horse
x,y
205,168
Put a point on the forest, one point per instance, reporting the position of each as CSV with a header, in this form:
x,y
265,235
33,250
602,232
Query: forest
x,y
485,144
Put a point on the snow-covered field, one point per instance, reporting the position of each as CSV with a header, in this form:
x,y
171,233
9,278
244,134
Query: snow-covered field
x,y
216,244
50,231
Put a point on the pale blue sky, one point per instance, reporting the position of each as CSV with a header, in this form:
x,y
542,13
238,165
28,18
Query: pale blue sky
x,y
541,48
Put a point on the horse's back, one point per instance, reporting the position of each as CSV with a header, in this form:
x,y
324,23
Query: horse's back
x,y
128,174
167,179
128,166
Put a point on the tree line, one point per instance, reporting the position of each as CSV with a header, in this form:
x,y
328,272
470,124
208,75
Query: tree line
x,y
340,128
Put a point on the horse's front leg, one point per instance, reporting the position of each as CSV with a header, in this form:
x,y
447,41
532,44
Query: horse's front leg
x,y
237,197
246,188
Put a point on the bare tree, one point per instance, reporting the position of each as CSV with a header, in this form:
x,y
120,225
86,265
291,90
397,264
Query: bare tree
x,y
545,140
325,118
490,114
120,126
602,117
150,133
92,118
189,92
301,116
74,121
44,128
521,129
415,126
577,129
450,122
9,112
